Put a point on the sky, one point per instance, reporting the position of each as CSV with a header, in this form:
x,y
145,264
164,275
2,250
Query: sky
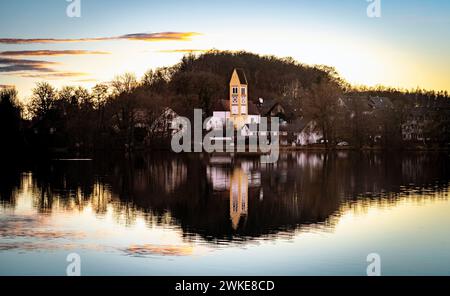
x,y
407,47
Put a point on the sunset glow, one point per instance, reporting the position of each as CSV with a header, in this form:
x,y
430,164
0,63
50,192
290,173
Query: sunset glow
x,y
404,48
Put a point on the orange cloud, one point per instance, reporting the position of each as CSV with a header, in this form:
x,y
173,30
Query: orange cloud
x,y
54,75
51,52
165,36
162,36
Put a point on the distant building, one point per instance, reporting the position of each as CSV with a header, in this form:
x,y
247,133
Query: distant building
x,y
220,115
163,123
305,132
272,108
147,128
414,127
380,103
242,113
237,109
238,98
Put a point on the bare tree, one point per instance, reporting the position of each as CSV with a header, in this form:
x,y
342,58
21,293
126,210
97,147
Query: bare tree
x,y
43,100
321,102
125,83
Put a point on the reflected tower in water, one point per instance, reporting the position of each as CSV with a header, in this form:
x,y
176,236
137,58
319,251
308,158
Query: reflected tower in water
x,y
238,196
223,199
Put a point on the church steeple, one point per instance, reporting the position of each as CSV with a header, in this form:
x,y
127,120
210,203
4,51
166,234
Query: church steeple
x,y
238,98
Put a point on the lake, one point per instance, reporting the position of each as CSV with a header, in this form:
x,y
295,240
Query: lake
x,y
193,214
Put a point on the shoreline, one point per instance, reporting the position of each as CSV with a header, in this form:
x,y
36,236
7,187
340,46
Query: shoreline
x,y
25,154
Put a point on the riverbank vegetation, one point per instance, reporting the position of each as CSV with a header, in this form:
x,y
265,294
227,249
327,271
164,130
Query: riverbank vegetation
x,y
125,113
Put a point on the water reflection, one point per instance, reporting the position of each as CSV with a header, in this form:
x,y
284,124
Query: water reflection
x,y
190,206
219,199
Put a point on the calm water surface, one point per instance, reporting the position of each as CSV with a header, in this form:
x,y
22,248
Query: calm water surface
x,y
165,214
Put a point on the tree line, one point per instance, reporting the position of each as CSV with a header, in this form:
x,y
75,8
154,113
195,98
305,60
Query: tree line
x,y
121,114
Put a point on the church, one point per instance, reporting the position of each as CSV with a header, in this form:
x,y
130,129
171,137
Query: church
x,y
242,112
237,109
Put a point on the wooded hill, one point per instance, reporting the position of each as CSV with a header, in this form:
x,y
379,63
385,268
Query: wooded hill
x,y
106,116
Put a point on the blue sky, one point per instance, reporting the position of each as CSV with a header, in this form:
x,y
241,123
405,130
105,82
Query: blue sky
x,y
407,47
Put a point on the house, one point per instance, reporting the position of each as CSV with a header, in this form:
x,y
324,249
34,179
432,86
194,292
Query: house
x,y
163,123
220,115
148,128
305,132
415,125
242,113
272,108
380,103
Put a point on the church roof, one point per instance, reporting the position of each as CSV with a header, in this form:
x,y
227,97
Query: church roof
x,y
241,76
